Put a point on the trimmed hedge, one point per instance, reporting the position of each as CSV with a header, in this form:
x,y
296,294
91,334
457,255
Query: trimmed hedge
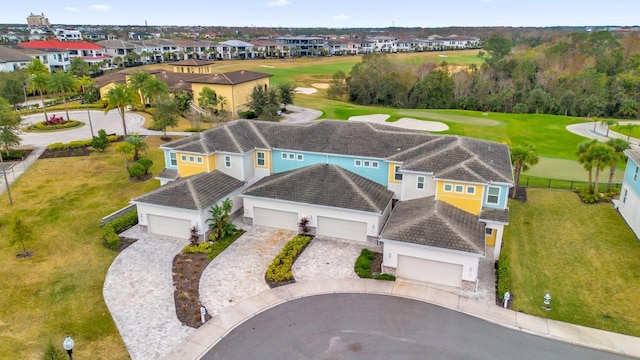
x,y
503,274
111,230
77,143
280,268
67,125
213,248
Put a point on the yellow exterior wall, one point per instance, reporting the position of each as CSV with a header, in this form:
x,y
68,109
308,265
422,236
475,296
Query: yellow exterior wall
x,y
267,159
392,173
187,168
471,203
490,240
236,95
211,161
105,89
204,69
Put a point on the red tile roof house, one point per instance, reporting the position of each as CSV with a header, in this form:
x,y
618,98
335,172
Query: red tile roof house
x,y
89,52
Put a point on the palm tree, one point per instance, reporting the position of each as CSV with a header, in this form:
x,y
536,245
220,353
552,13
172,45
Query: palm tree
x,y
153,88
39,83
618,146
608,123
137,81
585,160
63,82
522,157
119,97
601,155
138,145
628,128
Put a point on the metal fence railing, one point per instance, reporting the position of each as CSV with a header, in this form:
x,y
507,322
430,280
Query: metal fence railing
x,y
548,183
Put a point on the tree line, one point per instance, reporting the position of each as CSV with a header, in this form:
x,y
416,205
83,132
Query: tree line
x,y
585,74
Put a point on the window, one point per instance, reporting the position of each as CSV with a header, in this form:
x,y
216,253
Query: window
x,y
624,197
284,156
173,160
635,174
227,161
488,231
471,189
300,157
374,164
447,187
493,195
357,163
183,158
260,158
420,184
459,188
292,156
367,163
397,176
199,159
192,158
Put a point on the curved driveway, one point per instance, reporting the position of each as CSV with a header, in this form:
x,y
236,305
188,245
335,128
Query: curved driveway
x,y
358,326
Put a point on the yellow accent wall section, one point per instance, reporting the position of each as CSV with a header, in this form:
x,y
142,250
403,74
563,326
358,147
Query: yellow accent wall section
x,y
392,172
236,96
267,159
212,162
471,203
188,168
490,240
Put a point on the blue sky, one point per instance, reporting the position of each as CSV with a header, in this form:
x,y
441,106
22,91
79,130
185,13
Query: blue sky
x,y
330,13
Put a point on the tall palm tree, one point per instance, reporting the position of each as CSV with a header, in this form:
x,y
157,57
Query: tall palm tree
x,y
137,81
38,80
618,146
119,97
153,88
585,160
523,156
608,123
600,155
63,82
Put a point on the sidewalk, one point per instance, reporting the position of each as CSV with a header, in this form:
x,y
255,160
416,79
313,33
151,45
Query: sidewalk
x,y
593,130
209,334
19,168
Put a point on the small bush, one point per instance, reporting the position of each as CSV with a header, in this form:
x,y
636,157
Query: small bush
x,y
204,248
136,170
280,268
248,115
52,352
77,143
503,275
588,197
13,155
363,264
125,221
194,129
146,163
100,142
388,277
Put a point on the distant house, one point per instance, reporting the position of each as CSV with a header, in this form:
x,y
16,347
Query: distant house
x,y
12,59
89,52
629,202
192,66
437,203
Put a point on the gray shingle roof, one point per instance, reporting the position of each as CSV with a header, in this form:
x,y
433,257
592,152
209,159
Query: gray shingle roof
x,y
426,221
448,157
634,155
326,185
497,215
169,174
8,54
197,192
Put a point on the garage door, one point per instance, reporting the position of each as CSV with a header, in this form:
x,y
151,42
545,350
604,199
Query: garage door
x,y
275,218
343,229
435,272
163,225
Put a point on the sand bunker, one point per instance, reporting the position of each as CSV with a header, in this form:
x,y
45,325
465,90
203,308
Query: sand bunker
x,y
405,123
306,91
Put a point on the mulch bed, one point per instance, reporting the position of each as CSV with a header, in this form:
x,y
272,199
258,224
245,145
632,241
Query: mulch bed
x,y
81,151
521,194
187,270
376,263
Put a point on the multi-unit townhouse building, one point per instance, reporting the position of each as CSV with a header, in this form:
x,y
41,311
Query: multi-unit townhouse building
x,y
437,203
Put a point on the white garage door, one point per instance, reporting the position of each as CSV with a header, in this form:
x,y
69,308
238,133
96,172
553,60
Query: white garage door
x,y
163,225
275,218
343,229
435,272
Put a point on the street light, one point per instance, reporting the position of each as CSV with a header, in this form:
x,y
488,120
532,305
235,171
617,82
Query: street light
x,y
67,344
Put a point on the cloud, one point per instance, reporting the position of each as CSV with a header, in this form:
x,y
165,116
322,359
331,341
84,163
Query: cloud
x,y
71,8
278,3
100,7
341,17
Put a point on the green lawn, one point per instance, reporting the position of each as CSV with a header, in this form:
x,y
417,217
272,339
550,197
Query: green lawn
x,y
584,256
59,290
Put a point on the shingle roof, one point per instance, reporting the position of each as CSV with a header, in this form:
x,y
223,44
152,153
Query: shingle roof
x,y
116,44
191,62
168,174
197,192
447,157
634,155
497,215
8,54
425,221
230,78
326,185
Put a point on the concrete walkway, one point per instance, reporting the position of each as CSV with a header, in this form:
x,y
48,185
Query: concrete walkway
x,y
600,133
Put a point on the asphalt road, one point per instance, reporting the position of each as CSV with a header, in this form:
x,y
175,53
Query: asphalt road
x,y
359,326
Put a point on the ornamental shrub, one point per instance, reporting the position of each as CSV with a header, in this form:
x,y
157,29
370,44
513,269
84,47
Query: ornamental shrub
x,y
146,163
503,274
125,221
280,268
363,264
136,170
111,239
100,142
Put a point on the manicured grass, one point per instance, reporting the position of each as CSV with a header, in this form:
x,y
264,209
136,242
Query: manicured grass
x,y
58,291
570,170
183,123
584,256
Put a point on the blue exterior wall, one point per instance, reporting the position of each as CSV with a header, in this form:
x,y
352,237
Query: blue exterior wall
x,y
502,200
379,175
167,160
628,176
